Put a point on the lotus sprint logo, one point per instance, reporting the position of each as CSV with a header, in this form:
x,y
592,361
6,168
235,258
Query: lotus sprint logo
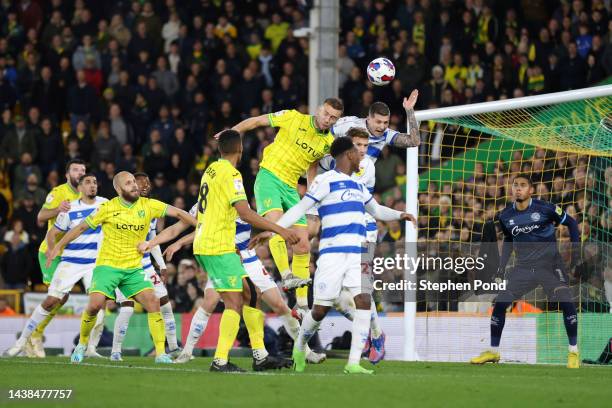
x,y
524,230
311,150
130,227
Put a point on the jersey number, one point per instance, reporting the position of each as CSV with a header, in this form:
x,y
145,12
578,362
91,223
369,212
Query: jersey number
x,y
156,280
203,197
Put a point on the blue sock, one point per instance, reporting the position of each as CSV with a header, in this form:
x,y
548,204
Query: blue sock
x,y
498,319
570,319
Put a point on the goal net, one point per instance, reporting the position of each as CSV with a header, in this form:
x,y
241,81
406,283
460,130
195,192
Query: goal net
x,y
466,163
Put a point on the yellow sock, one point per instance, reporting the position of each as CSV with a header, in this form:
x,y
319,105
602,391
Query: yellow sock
x,y
38,332
301,268
158,332
254,321
278,249
228,330
87,324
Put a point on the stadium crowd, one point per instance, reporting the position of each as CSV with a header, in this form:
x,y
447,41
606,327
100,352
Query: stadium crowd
x,y
143,85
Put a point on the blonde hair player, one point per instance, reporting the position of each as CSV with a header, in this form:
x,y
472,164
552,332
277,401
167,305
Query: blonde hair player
x,y
302,140
125,223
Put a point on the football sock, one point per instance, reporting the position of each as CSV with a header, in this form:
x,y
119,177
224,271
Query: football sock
x,y
570,319
345,305
360,334
308,329
197,327
254,321
291,325
87,323
278,249
38,331
121,326
301,269
158,332
33,322
96,332
498,319
374,323
228,330
168,316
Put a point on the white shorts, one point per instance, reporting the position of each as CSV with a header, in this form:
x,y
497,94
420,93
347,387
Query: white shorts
x,y
158,286
67,275
338,271
258,275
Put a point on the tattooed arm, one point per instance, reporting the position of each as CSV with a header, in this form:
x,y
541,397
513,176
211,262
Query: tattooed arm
x,y
413,137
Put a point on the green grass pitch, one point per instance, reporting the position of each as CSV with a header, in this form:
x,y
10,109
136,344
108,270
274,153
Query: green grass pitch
x,y
138,382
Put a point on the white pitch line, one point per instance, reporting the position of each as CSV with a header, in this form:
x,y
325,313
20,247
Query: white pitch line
x,y
286,372
189,370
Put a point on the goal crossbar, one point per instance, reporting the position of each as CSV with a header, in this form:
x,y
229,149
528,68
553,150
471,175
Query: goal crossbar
x,y
515,103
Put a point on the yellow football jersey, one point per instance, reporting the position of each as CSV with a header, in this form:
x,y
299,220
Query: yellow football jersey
x,y
63,192
124,226
297,145
220,188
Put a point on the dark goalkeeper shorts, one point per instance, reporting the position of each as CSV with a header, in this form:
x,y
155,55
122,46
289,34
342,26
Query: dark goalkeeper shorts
x,y
522,279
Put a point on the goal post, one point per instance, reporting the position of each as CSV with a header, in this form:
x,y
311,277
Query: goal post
x,y
459,177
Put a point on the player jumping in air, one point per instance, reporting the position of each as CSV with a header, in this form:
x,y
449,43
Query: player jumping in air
x,y
377,126
76,263
58,201
125,222
529,231
221,200
127,306
301,141
342,205
375,350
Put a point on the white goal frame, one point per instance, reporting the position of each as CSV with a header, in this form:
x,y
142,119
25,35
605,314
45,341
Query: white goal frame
x,y
412,178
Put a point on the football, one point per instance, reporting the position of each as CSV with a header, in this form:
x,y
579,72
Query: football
x,y
381,71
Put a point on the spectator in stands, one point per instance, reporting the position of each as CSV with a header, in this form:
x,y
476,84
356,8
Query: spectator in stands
x,y
17,261
23,171
18,140
82,100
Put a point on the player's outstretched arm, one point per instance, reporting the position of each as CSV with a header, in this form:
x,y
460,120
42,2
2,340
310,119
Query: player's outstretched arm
x,y
249,216
175,247
249,124
181,215
167,235
69,237
412,138
382,213
287,220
